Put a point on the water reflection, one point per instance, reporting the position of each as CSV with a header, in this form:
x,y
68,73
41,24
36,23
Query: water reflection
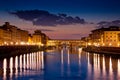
x,y
11,67
4,68
79,54
68,57
17,66
105,67
42,59
62,65
62,56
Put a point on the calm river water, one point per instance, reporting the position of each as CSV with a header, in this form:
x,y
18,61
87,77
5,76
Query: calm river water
x,y
60,64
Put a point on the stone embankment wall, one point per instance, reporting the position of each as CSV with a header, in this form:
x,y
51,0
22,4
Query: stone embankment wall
x,y
102,50
6,51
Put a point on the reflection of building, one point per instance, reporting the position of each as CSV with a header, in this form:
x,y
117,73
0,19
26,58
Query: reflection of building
x,y
10,34
105,37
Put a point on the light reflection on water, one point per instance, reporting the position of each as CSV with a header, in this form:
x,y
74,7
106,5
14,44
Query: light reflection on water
x,y
4,69
22,65
61,64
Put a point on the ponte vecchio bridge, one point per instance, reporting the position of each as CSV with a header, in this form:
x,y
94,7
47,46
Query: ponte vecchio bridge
x,y
66,42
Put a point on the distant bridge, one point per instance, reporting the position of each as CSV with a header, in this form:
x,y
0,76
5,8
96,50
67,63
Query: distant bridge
x,y
59,42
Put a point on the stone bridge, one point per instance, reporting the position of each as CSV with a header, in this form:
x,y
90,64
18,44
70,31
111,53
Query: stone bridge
x,y
61,42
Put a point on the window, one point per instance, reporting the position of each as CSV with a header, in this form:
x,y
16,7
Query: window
x,y
119,36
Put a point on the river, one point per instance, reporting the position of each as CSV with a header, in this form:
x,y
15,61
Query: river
x,y
60,64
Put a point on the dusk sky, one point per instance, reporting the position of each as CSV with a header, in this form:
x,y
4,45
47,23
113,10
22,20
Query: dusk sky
x,y
60,19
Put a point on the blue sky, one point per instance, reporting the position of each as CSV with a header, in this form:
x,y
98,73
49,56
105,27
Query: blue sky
x,y
83,8
89,10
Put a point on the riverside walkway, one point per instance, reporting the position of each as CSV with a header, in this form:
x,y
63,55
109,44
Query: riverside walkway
x,y
13,50
103,50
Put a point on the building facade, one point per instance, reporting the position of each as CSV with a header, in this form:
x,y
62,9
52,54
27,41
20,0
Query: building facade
x,y
10,34
105,37
39,38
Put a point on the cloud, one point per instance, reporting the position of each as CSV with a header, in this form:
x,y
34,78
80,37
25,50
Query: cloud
x,y
44,30
107,24
45,18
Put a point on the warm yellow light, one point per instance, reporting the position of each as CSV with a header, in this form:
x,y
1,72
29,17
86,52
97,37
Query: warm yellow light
x,y
103,44
89,43
11,43
110,44
5,42
95,44
118,44
16,43
39,43
33,43
80,50
42,44
98,44
28,43
22,43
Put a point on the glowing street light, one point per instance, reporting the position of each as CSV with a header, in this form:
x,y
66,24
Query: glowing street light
x,y
110,44
89,44
16,43
11,43
22,43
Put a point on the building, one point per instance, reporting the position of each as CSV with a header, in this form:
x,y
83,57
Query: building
x,y
105,37
30,39
39,38
36,37
96,37
111,36
10,34
5,36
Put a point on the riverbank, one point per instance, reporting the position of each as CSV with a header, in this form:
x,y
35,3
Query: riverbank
x,y
103,50
7,51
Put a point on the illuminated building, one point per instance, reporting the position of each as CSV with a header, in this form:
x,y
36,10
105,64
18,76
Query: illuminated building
x,y
36,37
112,36
5,36
105,37
30,39
39,38
10,34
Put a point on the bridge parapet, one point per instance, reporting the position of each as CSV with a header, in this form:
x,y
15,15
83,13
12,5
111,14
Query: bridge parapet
x,y
61,42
